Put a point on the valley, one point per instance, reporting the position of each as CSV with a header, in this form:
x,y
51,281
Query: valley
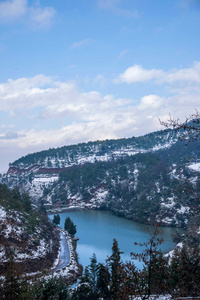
x,y
152,178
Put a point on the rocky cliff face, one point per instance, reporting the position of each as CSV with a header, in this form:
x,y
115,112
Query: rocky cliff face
x,y
149,178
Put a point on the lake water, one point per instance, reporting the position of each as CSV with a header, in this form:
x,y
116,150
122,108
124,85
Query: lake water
x,y
96,230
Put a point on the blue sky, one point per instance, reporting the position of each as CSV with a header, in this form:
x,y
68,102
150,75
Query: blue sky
x,y
78,71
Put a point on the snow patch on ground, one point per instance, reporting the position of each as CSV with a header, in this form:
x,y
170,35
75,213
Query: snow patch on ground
x,y
2,213
195,167
156,297
44,180
167,220
169,203
183,209
100,195
170,254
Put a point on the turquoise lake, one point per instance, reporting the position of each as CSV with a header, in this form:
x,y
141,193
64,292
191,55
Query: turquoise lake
x,y
96,230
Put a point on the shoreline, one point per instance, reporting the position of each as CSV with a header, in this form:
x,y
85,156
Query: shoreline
x,y
61,210
73,269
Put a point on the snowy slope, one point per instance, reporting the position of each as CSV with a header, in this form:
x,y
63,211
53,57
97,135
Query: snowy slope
x,y
128,176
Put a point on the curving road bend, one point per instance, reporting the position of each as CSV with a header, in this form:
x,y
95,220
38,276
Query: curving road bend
x,y
64,253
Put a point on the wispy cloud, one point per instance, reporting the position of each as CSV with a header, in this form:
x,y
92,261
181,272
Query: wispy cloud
x,y
42,17
122,54
81,43
11,136
13,10
114,6
100,79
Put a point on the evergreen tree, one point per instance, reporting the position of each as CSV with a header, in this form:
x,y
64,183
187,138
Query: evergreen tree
x,y
72,229
56,219
83,291
185,271
117,272
103,280
69,226
67,223
150,257
87,289
53,288
86,275
93,272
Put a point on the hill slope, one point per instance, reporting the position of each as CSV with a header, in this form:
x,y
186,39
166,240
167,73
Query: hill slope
x,y
27,237
146,179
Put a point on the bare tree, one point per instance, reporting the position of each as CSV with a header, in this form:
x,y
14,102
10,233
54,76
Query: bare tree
x,y
189,129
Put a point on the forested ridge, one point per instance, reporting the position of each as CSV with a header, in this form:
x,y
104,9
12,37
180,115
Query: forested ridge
x,y
159,185
146,179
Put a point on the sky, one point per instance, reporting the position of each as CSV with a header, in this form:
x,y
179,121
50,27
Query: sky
x,y
73,71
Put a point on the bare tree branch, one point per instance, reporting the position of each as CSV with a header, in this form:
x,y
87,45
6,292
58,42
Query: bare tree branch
x,y
189,129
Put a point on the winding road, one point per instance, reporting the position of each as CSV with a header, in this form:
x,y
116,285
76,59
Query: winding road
x,y
64,253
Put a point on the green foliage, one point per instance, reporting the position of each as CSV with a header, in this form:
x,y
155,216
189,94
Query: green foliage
x,y
69,226
34,227
67,153
13,199
93,272
53,288
83,291
103,281
185,271
155,266
134,184
117,272
56,219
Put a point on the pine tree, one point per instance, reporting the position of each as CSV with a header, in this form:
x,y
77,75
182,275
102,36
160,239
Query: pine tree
x,y
149,257
93,272
117,272
103,280
56,219
72,229
69,226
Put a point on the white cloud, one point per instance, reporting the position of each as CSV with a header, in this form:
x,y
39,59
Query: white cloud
x,y
79,116
137,73
187,75
11,10
19,94
152,102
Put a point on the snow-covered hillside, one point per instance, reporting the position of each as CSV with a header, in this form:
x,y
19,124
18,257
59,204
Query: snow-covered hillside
x,y
141,178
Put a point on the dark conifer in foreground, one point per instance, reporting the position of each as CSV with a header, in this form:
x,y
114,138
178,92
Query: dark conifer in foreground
x,y
69,226
56,219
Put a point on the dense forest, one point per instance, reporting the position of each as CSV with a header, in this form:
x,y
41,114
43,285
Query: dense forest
x,y
144,187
